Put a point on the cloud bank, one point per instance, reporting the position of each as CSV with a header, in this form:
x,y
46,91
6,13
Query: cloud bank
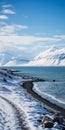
x,y
11,35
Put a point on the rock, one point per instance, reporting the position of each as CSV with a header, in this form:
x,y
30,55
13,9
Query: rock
x,y
54,80
58,119
48,124
4,80
10,77
47,121
57,113
64,125
39,120
63,128
46,118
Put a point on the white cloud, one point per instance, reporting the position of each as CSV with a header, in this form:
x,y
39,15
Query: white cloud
x,y
11,29
8,11
60,37
17,39
26,39
4,17
28,44
20,27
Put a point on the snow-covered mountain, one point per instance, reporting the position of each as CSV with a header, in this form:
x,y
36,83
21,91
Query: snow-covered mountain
x,y
15,57
12,57
17,61
50,57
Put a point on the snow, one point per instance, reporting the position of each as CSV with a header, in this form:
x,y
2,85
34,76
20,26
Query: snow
x,y
15,102
7,116
13,97
12,57
50,57
15,57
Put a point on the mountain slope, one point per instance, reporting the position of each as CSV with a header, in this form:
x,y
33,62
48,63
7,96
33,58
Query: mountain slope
x,y
17,61
12,57
50,57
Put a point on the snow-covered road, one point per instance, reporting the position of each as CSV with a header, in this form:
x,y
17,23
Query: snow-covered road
x,y
8,116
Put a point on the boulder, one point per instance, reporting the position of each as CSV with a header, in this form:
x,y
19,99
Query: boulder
x,y
63,128
58,118
47,121
48,124
56,121
46,118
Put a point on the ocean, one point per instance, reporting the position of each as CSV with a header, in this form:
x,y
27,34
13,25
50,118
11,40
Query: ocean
x,y
53,91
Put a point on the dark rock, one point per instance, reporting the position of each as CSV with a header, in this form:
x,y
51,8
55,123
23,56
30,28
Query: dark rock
x,y
5,74
55,121
4,80
46,118
63,128
10,77
47,121
58,119
39,120
54,80
57,113
48,124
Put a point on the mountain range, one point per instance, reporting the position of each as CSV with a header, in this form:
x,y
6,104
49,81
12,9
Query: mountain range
x,y
49,57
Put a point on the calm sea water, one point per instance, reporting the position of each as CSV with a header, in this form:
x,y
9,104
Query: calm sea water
x,y
53,90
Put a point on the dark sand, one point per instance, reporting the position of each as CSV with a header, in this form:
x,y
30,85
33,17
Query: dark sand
x,y
28,85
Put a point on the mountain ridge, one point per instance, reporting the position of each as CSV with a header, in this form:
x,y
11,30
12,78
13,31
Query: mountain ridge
x,y
50,57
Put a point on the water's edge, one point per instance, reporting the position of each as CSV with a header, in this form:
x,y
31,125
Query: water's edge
x,y
28,85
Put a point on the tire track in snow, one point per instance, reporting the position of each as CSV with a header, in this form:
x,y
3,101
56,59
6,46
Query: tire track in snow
x,y
19,119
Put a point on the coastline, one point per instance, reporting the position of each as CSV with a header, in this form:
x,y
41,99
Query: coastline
x,y
21,95
28,85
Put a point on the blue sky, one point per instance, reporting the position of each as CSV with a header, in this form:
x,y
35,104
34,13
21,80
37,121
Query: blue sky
x,y
32,25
